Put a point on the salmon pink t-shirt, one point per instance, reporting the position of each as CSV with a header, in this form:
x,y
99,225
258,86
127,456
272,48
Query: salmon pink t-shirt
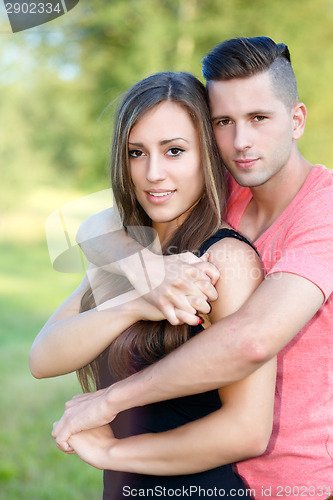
x,y
298,462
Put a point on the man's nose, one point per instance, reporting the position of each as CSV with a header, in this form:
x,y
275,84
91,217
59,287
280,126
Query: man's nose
x,y
243,137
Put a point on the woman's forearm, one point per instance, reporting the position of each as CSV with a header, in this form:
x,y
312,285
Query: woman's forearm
x,y
239,430
200,445
70,340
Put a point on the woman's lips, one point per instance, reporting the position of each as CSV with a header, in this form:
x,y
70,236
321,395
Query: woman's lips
x,y
159,196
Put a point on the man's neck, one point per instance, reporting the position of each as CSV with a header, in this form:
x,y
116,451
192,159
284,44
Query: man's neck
x,y
272,198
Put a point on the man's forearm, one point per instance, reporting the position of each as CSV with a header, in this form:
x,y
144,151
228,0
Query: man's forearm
x,y
229,350
195,367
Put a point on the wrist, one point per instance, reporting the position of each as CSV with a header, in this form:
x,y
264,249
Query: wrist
x,y
117,456
128,393
114,401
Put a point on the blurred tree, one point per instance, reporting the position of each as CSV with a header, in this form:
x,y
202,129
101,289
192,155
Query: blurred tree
x,y
57,84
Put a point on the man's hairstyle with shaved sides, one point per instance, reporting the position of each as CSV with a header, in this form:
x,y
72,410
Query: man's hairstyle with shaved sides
x,y
244,57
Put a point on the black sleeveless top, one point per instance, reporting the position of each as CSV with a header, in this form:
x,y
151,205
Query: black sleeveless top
x,y
162,416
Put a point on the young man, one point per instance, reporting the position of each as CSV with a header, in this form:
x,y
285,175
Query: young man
x,y
285,206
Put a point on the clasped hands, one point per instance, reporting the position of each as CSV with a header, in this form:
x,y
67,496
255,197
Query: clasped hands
x,y
186,290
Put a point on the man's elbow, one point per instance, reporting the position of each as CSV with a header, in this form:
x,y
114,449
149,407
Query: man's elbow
x,y
257,353
255,350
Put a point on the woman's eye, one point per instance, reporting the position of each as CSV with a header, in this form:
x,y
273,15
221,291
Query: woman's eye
x,y
174,152
135,153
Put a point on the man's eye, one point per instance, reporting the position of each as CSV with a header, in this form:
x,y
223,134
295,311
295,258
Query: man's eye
x,y
224,122
175,152
135,153
259,118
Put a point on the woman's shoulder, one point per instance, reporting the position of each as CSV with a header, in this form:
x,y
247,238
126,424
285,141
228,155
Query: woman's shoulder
x,y
241,272
230,240
230,251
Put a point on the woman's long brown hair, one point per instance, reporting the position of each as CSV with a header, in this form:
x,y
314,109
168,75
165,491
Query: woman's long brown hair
x,y
145,342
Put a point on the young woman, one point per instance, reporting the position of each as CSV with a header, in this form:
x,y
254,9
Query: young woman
x,y
166,175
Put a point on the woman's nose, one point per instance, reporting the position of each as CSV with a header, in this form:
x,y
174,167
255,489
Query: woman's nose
x,y
155,169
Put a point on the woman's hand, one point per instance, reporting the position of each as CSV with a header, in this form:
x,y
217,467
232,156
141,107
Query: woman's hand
x,y
93,446
180,285
148,311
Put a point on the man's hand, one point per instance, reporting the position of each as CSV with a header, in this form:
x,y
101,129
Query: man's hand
x,y
85,411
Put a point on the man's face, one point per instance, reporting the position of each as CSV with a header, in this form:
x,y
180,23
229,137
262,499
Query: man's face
x,y
253,129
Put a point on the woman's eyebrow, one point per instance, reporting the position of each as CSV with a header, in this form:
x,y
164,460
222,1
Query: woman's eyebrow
x,y
166,141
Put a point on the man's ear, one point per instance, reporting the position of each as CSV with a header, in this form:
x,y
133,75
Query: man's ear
x,y
299,117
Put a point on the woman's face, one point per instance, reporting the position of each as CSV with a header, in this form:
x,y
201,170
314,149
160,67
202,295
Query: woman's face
x,y
165,165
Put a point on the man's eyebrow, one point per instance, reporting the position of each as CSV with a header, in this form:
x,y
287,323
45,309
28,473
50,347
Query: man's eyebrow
x,y
259,112
220,117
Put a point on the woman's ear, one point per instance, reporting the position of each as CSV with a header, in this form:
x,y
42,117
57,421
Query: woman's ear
x,y
299,118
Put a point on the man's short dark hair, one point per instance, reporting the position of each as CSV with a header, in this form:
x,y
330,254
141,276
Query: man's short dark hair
x,y
244,57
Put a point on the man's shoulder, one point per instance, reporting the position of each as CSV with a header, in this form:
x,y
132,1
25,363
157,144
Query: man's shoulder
x,y
321,177
311,210
318,188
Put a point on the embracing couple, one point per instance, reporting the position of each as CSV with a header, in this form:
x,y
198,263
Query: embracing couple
x,y
216,380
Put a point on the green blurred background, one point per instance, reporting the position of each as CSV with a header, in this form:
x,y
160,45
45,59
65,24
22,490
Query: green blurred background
x,y
56,85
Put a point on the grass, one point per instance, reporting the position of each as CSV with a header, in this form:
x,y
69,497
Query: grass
x,y
31,466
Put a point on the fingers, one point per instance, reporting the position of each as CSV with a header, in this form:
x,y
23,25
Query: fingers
x,y
206,291
178,299
191,274
205,257
181,300
201,305
169,312
209,270
188,257
185,318
61,436
186,276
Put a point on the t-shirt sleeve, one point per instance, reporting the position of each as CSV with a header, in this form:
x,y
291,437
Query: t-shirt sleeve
x,y
307,249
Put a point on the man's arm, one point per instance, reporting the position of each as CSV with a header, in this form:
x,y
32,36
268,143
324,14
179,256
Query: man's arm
x,y
239,430
228,351
243,425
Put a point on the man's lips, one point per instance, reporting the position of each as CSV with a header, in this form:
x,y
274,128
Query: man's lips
x,y
246,163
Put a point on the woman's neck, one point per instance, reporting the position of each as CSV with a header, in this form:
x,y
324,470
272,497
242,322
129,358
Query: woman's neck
x,y
165,230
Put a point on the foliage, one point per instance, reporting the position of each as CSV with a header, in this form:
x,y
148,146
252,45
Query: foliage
x,y
57,84
30,464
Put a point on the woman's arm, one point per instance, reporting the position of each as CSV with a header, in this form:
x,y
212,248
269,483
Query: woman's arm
x,y
70,339
239,430
171,283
